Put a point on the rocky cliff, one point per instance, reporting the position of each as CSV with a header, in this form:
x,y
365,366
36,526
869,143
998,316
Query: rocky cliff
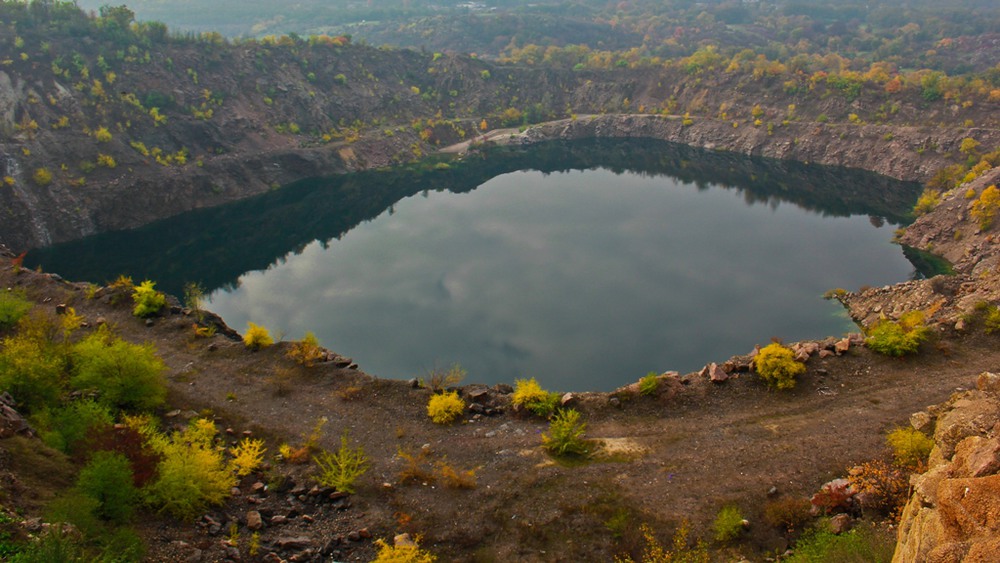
x,y
108,133
954,512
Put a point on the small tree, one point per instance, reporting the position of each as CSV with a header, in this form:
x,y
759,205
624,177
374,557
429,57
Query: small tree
x,y
148,301
565,435
193,474
107,478
985,208
342,468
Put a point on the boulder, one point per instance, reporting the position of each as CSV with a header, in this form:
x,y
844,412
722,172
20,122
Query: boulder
x,y
976,456
296,543
403,540
922,422
841,523
11,421
254,520
969,416
842,345
716,374
479,395
988,382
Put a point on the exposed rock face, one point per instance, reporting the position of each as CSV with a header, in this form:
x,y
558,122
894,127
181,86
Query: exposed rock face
x,y
954,513
855,146
950,232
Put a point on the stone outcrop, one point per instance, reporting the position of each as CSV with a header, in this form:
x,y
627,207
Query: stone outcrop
x,y
954,512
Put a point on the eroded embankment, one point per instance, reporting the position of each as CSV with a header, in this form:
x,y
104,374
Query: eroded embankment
x,y
898,152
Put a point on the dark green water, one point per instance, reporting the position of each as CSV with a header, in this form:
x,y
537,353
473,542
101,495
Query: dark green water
x,y
584,265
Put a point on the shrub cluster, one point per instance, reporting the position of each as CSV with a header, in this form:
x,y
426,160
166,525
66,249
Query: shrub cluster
x,y
777,366
193,474
860,544
985,208
530,395
126,376
13,306
879,487
898,338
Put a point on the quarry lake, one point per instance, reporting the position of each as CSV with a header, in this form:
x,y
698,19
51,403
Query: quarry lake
x,y
585,265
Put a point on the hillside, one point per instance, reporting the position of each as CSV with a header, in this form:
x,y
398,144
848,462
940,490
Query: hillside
x,y
93,127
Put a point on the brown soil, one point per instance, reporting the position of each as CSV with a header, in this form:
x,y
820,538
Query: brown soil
x,y
682,455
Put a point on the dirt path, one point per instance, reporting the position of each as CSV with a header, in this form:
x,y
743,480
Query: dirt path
x,y
491,135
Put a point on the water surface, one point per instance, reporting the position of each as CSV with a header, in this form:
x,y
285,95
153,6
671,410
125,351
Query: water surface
x,y
583,265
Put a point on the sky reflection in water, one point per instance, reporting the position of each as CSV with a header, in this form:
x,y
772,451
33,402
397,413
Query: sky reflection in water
x,y
585,280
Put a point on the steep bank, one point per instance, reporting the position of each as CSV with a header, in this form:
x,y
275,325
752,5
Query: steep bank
x,y
120,130
953,514
894,151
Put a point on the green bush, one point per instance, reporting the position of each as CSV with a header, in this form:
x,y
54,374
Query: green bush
x,y
860,545
69,425
192,475
776,364
898,338
32,370
107,478
530,395
910,447
13,306
445,407
127,376
649,384
728,523
148,301
56,544
342,468
565,435
76,508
